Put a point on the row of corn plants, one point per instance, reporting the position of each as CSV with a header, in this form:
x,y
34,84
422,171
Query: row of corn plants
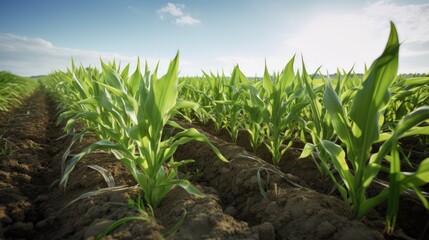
x,y
339,119
13,89
269,110
128,114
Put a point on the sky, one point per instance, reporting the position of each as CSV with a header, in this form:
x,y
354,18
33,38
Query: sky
x,y
40,36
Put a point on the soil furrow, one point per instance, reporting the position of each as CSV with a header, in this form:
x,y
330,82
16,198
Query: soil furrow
x,y
294,212
25,168
307,175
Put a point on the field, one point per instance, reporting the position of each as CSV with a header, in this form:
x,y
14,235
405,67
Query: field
x,y
115,154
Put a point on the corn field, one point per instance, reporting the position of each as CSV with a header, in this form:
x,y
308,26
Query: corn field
x,y
235,142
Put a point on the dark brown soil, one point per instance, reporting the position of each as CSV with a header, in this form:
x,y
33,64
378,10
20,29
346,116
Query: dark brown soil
x,y
413,217
33,206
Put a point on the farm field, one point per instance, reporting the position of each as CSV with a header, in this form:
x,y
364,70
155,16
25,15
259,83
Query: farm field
x,y
33,204
287,156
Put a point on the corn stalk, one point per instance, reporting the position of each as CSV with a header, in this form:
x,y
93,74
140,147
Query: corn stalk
x,y
360,127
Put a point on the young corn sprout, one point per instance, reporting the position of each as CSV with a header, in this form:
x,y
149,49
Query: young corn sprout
x,y
359,127
215,91
283,104
407,95
317,122
234,97
253,109
129,115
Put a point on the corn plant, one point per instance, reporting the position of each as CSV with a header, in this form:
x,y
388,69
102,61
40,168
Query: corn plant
x,y
253,110
359,127
215,91
59,85
233,103
283,104
407,95
401,181
192,89
13,89
317,122
129,114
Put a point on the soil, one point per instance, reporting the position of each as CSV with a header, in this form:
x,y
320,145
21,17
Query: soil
x,y
33,206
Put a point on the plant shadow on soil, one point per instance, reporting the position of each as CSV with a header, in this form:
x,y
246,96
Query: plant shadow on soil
x,y
32,204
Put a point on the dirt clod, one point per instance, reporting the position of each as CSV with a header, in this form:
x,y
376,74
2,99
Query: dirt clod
x,y
265,231
325,229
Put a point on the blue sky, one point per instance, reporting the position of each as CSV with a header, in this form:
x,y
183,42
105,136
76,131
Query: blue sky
x,y
37,37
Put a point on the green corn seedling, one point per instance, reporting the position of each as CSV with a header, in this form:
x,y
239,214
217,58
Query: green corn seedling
x,y
283,105
357,167
130,115
317,124
216,93
253,108
233,103
194,90
407,95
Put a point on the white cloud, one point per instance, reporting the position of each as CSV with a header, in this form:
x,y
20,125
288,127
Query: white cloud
x,y
172,9
176,11
341,40
27,56
412,22
355,38
186,20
